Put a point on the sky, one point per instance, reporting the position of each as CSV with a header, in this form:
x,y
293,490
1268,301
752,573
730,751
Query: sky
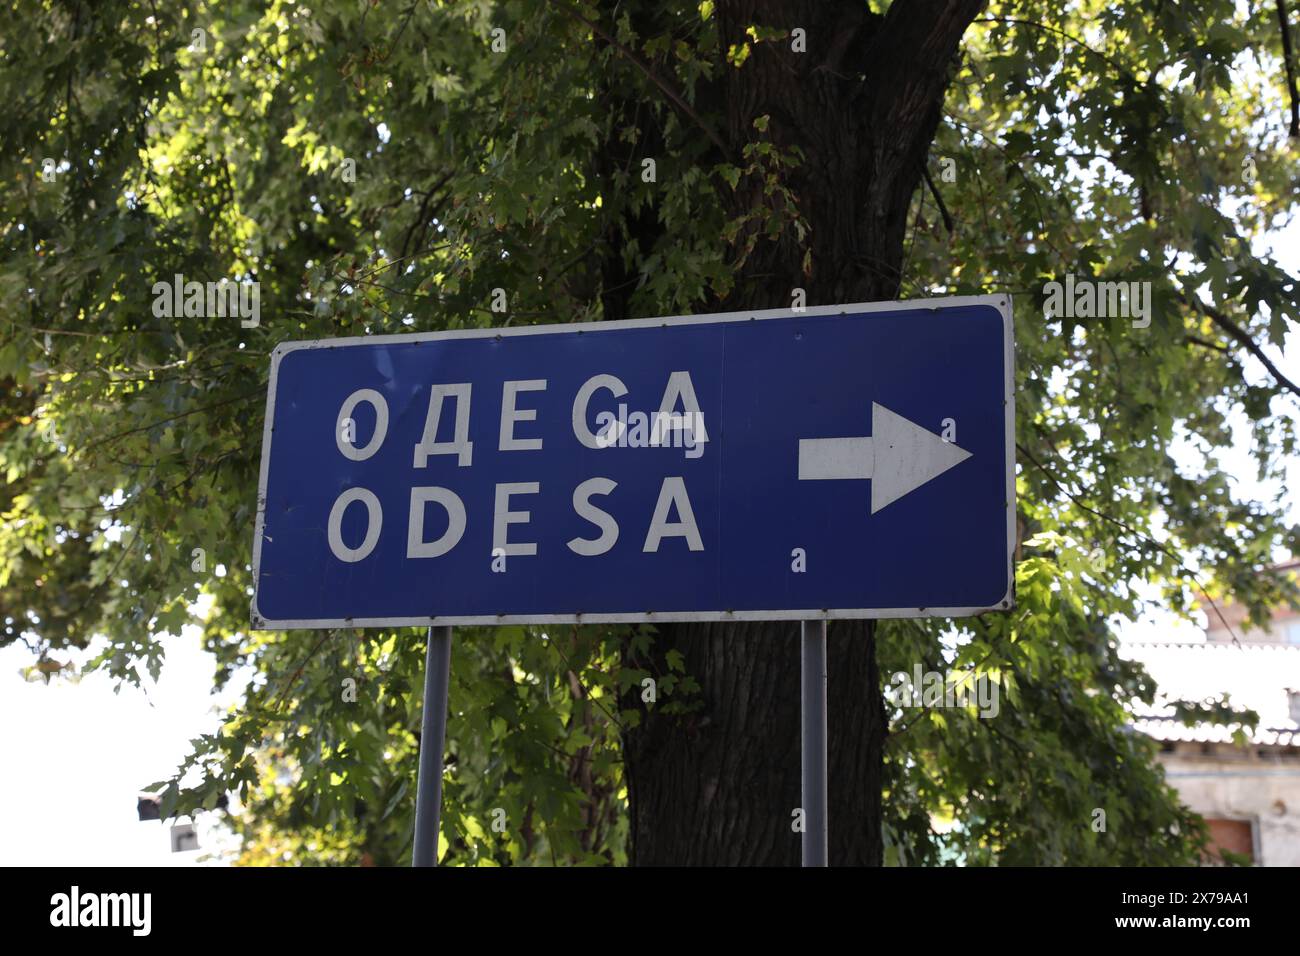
x,y
75,756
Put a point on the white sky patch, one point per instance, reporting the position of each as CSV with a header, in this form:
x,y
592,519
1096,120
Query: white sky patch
x,y
77,754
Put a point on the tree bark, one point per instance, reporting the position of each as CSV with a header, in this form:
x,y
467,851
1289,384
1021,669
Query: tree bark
x,y
719,785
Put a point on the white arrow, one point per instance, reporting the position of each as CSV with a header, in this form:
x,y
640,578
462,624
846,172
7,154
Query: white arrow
x,y
899,457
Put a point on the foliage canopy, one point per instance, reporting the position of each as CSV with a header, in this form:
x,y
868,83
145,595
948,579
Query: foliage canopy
x,y
1139,140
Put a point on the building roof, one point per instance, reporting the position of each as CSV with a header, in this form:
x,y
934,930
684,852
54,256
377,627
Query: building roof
x,y
1175,731
1258,676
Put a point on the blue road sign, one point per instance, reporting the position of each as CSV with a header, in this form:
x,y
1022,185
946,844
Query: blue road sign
x,y
844,462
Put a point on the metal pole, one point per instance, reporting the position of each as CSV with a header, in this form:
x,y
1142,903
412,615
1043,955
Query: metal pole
x,y
813,668
428,792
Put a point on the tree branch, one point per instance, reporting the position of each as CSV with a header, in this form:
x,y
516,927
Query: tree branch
x,y
1288,60
654,77
1236,332
907,62
934,191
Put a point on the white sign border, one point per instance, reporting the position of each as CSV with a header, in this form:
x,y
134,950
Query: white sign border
x,y
999,301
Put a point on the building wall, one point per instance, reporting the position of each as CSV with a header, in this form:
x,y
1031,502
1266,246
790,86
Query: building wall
x,y
1283,629
1226,620
1231,783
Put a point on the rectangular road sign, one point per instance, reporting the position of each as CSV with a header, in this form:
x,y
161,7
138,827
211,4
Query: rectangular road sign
x,y
840,462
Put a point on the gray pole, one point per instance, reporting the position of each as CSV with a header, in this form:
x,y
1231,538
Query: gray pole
x,y
813,667
428,792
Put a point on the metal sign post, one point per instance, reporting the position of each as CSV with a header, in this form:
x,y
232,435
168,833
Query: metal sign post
x,y
813,695
428,787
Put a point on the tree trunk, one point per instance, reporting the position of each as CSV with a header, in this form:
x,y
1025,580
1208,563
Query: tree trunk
x,y
720,784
